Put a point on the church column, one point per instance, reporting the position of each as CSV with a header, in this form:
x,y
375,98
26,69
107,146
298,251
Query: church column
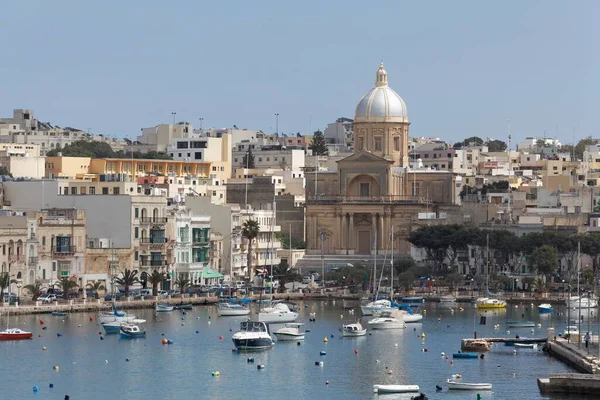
x,y
351,236
374,238
383,237
344,235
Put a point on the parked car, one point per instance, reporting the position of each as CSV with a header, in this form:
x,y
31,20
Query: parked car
x,y
117,296
163,293
48,298
11,298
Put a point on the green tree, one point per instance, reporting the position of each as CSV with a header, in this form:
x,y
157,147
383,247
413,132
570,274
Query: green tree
x,y
475,140
96,286
285,274
496,146
454,280
287,241
35,289
182,283
155,278
406,280
580,147
318,145
590,245
248,160
5,282
544,259
65,284
127,279
250,231
403,264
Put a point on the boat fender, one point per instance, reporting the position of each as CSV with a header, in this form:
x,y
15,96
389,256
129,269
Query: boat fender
x,y
514,352
395,344
44,348
221,337
451,362
164,341
44,328
322,353
41,322
250,360
260,366
389,371
298,343
230,330
197,332
51,385
355,351
169,341
101,337
326,382
91,318
443,354
209,322
423,335
498,365
332,336
414,329
182,318
127,359
341,316
56,368
67,397
321,363
325,340
317,363
36,389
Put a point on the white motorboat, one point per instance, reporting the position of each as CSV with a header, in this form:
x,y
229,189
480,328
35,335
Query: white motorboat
x,y
278,313
545,308
353,330
405,311
448,299
386,323
232,310
290,332
527,345
379,305
253,335
115,316
457,384
395,389
408,318
581,302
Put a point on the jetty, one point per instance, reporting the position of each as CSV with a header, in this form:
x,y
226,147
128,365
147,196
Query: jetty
x,y
570,384
467,344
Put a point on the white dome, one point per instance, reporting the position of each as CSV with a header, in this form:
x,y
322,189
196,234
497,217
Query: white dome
x,y
381,104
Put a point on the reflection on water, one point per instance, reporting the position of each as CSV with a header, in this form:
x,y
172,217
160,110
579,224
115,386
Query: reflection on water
x,y
95,369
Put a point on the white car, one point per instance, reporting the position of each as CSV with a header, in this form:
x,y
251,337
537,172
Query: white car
x,y
47,298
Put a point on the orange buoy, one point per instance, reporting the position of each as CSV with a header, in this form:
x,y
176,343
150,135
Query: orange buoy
x,y
165,341
221,337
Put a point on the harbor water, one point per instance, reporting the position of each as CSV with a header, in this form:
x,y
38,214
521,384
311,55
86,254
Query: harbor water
x,y
94,369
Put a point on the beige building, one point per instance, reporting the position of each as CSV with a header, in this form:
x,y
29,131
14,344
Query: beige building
x,y
16,255
352,211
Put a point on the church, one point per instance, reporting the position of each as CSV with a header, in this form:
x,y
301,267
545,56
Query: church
x,y
350,212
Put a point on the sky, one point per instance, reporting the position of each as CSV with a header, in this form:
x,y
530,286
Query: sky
x,y
464,68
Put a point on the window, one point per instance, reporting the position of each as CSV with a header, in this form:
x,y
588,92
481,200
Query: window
x,y
65,190
235,160
116,190
260,159
178,154
377,144
43,243
137,212
268,158
182,145
577,209
434,155
415,188
364,189
426,155
74,190
198,155
136,233
396,143
104,190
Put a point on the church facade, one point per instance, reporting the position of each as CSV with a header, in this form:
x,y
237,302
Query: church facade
x,y
353,211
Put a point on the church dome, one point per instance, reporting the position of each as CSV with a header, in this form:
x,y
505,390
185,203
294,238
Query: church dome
x,y
381,104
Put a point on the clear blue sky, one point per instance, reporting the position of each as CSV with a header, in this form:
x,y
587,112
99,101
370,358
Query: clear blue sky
x,y
463,67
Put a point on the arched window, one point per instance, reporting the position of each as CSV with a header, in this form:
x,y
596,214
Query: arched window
x,y
19,275
155,214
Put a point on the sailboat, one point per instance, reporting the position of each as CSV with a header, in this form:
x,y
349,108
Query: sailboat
x,y
486,303
14,333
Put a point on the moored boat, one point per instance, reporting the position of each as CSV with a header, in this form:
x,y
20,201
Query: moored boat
x,y
290,332
163,308
465,355
526,345
279,313
413,299
115,326
187,306
252,336
232,310
59,314
15,334
459,385
448,299
520,324
115,316
476,345
353,330
581,302
380,305
484,303
130,331
545,308
395,388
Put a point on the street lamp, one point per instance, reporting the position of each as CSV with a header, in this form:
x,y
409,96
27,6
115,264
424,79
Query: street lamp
x,y
276,123
173,114
201,120
19,286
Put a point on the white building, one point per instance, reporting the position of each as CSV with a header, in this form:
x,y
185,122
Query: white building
x,y
339,135
532,142
266,157
264,248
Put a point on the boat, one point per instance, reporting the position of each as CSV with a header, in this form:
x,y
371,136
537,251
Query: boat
x,y
353,330
413,299
115,316
253,335
456,384
577,302
545,308
486,303
163,308
388,320
465,355
476,345
395,389
188,306
381,305
130,331
290,332
520,324
59,314
571,330
15,334
526,345
115,326
448,299
232,310
278,313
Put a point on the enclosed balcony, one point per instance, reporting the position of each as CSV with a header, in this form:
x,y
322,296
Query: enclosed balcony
x,y
158,260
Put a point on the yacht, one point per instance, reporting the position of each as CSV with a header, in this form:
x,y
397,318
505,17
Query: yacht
x,y
253,335
381,305
290,332
388,320
232,310
353,330
278,313
484,303
407,313
581,302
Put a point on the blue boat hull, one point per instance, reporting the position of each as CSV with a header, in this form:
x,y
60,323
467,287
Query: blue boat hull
x,y
465,355
129,336
545,310
111,328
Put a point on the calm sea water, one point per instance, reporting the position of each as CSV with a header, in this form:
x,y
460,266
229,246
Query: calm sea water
x,y
95,369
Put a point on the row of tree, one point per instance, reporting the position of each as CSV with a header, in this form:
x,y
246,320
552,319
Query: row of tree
x,y
83,148
541,251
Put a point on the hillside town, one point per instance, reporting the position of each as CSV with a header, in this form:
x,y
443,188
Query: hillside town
x,y
221,206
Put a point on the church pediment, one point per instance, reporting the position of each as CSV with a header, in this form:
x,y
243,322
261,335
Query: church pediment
x,y
363,157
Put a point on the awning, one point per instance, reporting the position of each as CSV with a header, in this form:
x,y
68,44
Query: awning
x,y
208,273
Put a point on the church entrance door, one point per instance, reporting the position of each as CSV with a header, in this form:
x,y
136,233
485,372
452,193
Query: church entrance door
x,y
364,242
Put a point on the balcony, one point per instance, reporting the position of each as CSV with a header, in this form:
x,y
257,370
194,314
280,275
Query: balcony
x,y
16,257
153,240
154,221
148,261
63,251
200,242
33,261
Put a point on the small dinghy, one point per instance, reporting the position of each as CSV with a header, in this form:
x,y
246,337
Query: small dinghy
x,y
545,308
164,308
395,389
59,314
520,324
458,385
526,345
465,355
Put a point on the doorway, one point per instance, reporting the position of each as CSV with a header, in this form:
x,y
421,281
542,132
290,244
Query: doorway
x,y
364,242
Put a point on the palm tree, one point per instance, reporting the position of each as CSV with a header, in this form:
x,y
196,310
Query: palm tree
x,y
5,282
129,278
65,284
182,283
35,289
285,274
155,278
250,231
95,287
541,285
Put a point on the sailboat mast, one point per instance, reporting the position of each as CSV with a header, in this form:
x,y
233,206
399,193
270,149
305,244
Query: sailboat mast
x,y
487,264
273,243
375,264
578,292
392,263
